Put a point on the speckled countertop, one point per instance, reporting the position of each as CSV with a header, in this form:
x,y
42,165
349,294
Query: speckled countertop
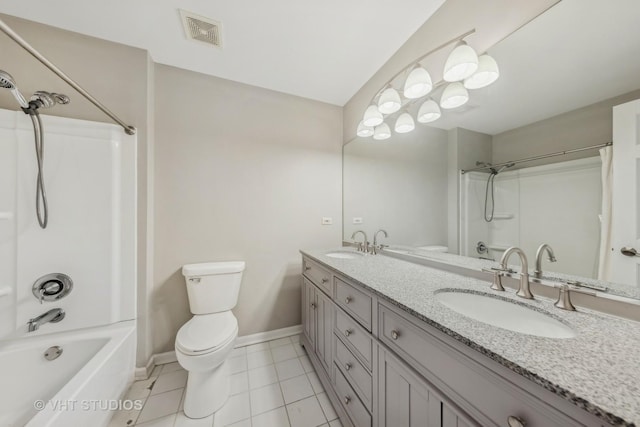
x,y
598,370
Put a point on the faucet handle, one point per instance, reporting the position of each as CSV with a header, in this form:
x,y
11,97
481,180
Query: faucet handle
x,y
497,277
564,296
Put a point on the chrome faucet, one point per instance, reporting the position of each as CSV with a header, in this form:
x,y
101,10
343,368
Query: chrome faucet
x,y
362,246
54,316
376,247
552,258
523,290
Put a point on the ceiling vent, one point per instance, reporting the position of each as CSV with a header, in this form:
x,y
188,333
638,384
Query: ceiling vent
x,y
200,28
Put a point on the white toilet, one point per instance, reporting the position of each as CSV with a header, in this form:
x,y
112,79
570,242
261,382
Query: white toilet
x,y
203,343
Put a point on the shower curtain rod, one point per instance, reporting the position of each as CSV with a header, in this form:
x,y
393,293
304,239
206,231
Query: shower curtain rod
x,y
544,156
130,130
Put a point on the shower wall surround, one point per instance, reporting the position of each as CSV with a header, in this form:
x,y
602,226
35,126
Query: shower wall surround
x,y
89,175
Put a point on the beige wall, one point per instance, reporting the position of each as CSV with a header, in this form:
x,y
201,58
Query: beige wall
x,y
579,128
117,75
492,20
241,173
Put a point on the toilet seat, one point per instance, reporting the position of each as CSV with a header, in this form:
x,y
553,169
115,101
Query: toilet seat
x,y
207,333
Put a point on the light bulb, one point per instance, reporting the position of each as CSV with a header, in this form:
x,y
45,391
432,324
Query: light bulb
x,y
454,95
461,63
381,132
364,131
486,74
429,111
404,123
389,101
372,117
418,83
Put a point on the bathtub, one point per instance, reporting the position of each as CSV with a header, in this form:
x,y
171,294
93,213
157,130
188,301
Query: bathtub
x,y
79,388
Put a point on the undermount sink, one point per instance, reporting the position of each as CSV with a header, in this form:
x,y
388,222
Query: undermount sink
x,y
504,314
344,254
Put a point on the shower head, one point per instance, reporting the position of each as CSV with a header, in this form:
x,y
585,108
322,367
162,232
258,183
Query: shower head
x,y
48,99
7,82
501,168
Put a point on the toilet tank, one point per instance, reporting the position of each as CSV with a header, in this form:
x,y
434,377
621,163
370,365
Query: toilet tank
x,y
213,287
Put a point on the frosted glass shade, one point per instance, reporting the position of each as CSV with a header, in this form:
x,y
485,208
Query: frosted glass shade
x,y
372,117
461,63
389,101
418,83
382,132
486,73
364,131
429,111
405,123
454,95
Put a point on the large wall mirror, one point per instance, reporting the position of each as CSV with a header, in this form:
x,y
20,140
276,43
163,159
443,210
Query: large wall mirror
x,y
435,190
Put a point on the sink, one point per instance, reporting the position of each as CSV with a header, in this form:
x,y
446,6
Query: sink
x,y
504,314
344,254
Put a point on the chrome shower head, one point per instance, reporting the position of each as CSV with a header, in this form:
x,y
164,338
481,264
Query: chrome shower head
x,y
7,82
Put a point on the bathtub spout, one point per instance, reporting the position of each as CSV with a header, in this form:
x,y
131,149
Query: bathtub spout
x,y
54,316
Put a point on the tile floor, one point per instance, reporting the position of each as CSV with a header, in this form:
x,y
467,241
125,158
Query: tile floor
x,y
273,384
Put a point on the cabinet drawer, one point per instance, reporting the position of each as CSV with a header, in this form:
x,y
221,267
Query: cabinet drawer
x,y
357,375
351,403
318,275
355,337
354,302
483,394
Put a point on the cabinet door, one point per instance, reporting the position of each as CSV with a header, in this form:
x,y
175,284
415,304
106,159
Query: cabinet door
x,y
453,417
324,329
405,399
309,312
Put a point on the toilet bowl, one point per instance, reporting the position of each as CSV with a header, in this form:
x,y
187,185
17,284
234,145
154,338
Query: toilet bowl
x,y
204,343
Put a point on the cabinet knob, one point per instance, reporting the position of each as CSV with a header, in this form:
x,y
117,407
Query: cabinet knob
x,y
395,334
325,280
347,300
347,332
313,305
516,422
347,400
307,268
347,366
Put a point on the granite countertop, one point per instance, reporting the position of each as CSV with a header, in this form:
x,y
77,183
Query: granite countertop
x,y
598,370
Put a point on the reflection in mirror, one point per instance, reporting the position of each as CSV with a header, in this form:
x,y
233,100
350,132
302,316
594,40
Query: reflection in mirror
x,y
561,75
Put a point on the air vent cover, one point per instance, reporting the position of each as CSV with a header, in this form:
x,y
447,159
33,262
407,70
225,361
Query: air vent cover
x,y
200,28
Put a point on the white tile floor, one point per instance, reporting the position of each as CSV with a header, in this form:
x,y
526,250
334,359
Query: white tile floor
x,y
273,384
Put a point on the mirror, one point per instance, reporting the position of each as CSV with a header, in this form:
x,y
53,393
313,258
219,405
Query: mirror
x,y
560,76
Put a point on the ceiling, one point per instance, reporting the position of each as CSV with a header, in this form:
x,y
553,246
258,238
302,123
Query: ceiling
x,y
322,50
575,54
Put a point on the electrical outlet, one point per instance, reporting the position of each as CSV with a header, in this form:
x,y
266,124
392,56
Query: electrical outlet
x,y
357,220
327,220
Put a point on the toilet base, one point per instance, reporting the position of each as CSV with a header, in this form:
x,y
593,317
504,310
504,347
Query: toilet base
x,y
207,391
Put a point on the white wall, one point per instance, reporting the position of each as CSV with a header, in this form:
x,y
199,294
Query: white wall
x,y
241,173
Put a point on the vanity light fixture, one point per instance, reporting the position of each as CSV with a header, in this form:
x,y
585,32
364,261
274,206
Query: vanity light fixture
x,y
486,74
404,123
429,111
389,101
454,96
364,131
381,132
461,63
372,117
418,83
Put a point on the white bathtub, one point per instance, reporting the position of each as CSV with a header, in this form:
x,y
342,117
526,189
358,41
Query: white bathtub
x,y
76,389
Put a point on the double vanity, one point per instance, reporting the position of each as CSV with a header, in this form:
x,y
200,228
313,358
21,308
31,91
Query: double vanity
x,y
397,343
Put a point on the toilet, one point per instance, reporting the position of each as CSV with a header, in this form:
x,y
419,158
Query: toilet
x,y
204,343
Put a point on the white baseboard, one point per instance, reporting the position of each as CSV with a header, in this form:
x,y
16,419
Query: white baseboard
x,y
170,356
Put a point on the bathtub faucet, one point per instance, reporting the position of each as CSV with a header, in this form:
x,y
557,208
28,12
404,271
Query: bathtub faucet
x,y
54,316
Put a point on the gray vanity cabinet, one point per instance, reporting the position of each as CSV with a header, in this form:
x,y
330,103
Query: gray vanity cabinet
x,y
324,329
309,311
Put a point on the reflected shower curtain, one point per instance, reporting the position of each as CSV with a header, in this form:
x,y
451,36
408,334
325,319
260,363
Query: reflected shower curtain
x,y
604,264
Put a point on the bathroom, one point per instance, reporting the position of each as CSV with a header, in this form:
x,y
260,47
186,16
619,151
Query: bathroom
x,y
247,152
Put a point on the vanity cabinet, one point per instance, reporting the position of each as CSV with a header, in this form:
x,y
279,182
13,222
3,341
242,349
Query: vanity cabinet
x,y
317,320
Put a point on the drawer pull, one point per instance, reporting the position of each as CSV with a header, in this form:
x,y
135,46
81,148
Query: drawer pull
x,y
347,332
313,305
516,422
395,334
325,280
347,300
307,268
347,400
347,366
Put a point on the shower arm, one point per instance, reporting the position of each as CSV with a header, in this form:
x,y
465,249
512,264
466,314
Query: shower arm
x,y
129,130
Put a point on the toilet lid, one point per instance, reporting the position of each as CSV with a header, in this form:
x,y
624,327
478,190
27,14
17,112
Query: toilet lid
x,y
207,332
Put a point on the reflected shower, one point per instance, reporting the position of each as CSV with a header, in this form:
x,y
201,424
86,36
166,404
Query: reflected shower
x,y
488,216
40,99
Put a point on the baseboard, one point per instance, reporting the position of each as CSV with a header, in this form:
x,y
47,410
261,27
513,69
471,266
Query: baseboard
x,y
243,341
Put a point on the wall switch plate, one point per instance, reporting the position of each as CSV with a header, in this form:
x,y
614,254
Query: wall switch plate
x,y
327,220
357,220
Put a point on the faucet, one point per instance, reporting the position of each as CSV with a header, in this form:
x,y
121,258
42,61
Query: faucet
x,y
362,246
376,247
552,258
523,290
54,316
